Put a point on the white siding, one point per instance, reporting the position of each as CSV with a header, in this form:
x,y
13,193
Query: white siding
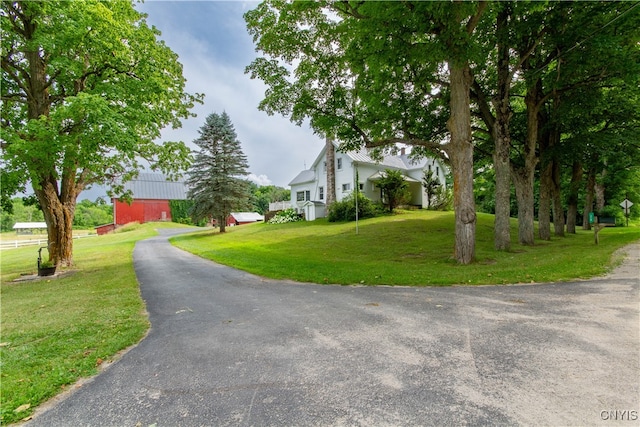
x,y
314,179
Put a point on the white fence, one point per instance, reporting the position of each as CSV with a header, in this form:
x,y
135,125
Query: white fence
x,y
279,206
12,244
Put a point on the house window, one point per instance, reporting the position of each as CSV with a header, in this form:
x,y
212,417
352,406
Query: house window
x,y
438,171
324,166
361,186
301,196
339,163
321,191
346,187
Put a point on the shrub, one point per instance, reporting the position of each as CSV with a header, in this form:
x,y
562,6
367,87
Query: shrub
x,y
181,211
285,216
345,210
612,212
442,200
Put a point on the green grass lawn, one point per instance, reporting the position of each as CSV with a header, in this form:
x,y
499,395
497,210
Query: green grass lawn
x,y
411,248
55,331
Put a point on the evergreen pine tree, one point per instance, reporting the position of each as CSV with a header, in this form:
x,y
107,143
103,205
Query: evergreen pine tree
x,y
215,180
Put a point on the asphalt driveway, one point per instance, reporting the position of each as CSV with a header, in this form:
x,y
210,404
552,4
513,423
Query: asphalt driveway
x,y
229,348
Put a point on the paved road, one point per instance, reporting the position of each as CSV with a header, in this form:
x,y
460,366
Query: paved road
x,y
229,348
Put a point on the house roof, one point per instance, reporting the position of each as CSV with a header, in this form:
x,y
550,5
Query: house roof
x,y
247,216
304,176
381,174
414,163
362,156
156,187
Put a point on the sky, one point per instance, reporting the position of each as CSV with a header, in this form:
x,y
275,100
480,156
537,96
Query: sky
x,y
214,47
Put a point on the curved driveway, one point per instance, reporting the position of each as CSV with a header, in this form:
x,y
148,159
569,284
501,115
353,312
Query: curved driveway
x,y
230,348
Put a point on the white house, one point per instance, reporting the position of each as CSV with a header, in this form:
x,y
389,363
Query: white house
x,y
308,189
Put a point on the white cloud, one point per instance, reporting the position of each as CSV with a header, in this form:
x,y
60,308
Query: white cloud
x,y
259,180
214,48
214,61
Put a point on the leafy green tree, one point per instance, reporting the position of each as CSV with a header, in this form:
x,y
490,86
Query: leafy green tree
x,y
89,214
86,88
395,189
261,196
545,54
19,212
377,73
215,179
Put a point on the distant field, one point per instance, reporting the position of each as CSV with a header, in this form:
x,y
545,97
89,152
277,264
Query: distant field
x,y
411,248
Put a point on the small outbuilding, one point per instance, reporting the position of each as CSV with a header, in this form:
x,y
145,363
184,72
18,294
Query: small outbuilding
x,y
239,218
30,227
104,229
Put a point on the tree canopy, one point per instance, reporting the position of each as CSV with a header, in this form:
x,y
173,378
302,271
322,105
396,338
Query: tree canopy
x,y
428,73
374,74
86,88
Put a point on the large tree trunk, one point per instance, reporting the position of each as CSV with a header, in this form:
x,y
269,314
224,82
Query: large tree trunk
x,y
550,187
588,202
544,193
599,191
58,214
460,152
524,175
544,203
502,140
331,171
556,196
522,179
502,222
572,202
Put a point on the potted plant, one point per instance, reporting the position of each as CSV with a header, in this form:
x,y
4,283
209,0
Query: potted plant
x,y
45,268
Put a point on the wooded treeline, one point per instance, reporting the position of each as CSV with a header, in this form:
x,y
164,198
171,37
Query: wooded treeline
x,y
537,101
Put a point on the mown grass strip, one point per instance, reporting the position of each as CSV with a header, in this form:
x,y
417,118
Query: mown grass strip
x,y
55,331
411,248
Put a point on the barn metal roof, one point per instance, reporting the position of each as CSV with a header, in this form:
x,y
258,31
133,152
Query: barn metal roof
x,y
156,187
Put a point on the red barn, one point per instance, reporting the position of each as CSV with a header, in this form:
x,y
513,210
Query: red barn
x,y
151,195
